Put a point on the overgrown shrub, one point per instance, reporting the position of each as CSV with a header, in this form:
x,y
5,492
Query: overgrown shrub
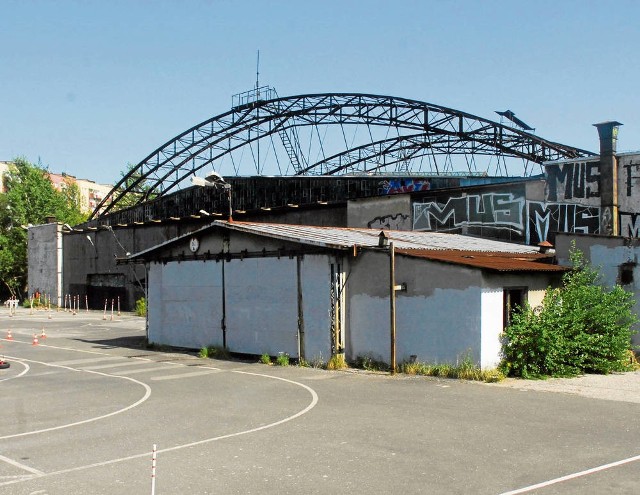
x,y
581,327
141,307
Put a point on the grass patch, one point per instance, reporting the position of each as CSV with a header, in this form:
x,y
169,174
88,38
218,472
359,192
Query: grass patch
x,y
465,370
213,351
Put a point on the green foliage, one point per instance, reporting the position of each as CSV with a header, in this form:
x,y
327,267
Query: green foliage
x,y
30,199
141,307
213,351
282,359
581,327
265,358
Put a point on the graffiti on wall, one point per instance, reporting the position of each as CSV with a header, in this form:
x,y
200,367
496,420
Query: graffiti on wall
x,y
531,221
399,221
397,186
545,218
500,211
578,180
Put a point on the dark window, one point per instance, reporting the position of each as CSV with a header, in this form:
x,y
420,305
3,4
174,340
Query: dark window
x,y
513,298
625,273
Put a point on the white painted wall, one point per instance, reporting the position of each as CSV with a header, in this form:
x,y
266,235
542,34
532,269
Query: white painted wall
x,y
315,273
492,324
262,306
185,303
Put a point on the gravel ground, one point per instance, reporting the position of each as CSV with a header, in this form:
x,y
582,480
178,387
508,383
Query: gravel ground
x,y
623,387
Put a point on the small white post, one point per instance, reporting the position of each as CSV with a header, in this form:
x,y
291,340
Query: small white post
x,y
86,302
153,470
104,316
111,309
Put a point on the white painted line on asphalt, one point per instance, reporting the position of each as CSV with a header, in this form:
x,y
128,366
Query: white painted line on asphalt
x,y
128,362
26,369
573,476
182,375
85,360
90,420
311,405
20,465
141,370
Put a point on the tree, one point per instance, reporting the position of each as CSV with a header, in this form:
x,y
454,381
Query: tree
x,y
30,199
581,327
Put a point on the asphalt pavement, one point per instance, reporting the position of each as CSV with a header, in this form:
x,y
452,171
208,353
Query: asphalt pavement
x,y
82,410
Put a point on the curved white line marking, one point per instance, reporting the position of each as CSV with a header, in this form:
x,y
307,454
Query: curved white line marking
x,y
90,420
573,476
26,370
312,404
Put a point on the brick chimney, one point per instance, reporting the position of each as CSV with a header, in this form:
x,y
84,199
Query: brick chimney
x,y
608,133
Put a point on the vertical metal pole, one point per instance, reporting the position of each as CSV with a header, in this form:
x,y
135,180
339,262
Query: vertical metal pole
x,y
301,352
392,304
153,470
229,201
223,321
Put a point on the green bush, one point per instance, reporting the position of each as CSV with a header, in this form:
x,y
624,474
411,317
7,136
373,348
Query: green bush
x,y
580,328
282,359
141,307
265,358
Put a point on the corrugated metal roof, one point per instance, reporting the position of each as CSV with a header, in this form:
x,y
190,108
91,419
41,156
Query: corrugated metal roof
x,y
502,262
346,238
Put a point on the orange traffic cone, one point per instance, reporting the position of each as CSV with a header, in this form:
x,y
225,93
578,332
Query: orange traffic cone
x,y
43,335
35,340
9,336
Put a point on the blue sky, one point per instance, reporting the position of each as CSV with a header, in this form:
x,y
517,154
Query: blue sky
x,y
88,86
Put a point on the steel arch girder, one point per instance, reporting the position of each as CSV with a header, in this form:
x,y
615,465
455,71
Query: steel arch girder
x,y
321,109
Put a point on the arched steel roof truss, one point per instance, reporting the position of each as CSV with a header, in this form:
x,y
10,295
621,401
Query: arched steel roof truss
x,y
422,130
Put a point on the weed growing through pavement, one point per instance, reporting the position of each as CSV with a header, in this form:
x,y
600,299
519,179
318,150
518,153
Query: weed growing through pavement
x,y
337,362
464,370
282,359
213,351
265,358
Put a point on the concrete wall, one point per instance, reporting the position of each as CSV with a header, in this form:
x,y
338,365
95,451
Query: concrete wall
x,y
316,306
265,301
448,311
184,304
629,194
437,319
386,212
514,211
44,251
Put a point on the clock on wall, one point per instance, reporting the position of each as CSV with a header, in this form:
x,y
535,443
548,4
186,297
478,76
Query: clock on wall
x,y
194,244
